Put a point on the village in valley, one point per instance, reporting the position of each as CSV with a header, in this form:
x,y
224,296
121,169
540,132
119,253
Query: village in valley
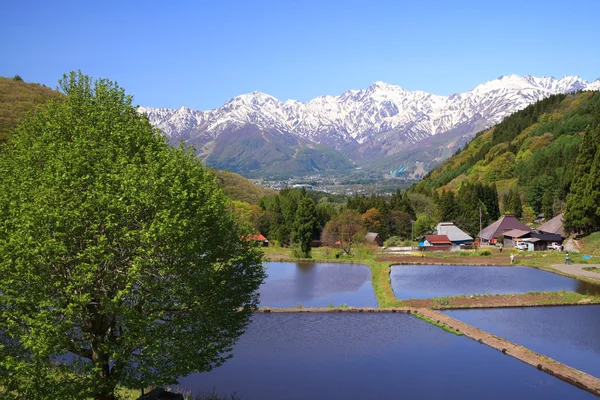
x,y
291,200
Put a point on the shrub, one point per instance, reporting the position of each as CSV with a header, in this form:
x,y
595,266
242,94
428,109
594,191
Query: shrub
x,y
393,241
485,252
298,253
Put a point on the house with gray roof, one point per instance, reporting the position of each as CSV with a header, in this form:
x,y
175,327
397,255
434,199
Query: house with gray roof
x,y
454,233
554,225
513,236
374,238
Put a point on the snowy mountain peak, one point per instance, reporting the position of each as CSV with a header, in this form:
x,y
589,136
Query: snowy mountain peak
x,y
255,97
381,120
379,85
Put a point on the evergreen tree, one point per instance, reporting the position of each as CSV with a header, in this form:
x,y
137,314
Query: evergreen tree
x,y
512,203
492,206
447,207
579,201
548,204
593,188
279,229
473,211
397,223
400,202
516,204
305,225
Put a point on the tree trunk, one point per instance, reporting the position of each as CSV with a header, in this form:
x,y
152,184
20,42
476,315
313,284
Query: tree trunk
x,y
106,386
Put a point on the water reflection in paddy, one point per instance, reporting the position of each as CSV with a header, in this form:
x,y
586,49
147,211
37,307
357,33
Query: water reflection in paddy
x,y
427,281
317,285
370,356
569,334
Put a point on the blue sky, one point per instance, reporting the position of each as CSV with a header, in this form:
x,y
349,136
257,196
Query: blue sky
x,y
201,53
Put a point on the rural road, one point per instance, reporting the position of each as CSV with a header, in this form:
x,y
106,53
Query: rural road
x,y
576,269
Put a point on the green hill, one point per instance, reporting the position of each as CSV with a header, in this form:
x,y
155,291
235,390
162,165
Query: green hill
x,y
236,187
17,98
532,152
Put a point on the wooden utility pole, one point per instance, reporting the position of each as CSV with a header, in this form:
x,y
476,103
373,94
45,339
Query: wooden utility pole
x,y
479,225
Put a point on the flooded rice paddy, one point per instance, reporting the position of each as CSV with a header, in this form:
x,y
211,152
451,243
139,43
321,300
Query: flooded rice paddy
x,y
568,334
428,281
369,356
290,285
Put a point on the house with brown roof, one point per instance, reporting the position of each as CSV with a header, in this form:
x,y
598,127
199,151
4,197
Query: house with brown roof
x,y
435,242
507,222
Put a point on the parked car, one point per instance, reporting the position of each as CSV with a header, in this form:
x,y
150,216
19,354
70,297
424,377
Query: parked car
x,y
522,246
554,246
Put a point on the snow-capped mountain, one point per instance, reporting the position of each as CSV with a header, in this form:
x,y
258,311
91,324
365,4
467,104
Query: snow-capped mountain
x,y
381,121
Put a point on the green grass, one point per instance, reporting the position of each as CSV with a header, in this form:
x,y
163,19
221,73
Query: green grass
x,y
440,325
593,269
591,243
563,297
549,298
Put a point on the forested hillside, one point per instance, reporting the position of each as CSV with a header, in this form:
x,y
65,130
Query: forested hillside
x,y
531,157
17,98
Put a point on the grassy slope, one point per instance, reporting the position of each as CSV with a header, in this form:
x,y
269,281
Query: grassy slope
x,y
17,98
237,187
591,244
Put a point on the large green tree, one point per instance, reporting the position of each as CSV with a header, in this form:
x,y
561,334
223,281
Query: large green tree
x,y
119,261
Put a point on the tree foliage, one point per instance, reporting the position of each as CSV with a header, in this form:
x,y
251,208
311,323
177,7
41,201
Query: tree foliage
x,y
423,225
119,262
372,220
346,228
583,203
512,203
388,218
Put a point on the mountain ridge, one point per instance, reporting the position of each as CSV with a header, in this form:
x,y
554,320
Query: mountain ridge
x,y
368,126
532,155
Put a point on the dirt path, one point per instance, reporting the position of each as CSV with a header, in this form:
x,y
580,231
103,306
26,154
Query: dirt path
x,y
541,362
504,300
495,259
576,269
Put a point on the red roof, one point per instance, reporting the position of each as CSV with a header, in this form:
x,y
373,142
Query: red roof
x,y
438,239
257,236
